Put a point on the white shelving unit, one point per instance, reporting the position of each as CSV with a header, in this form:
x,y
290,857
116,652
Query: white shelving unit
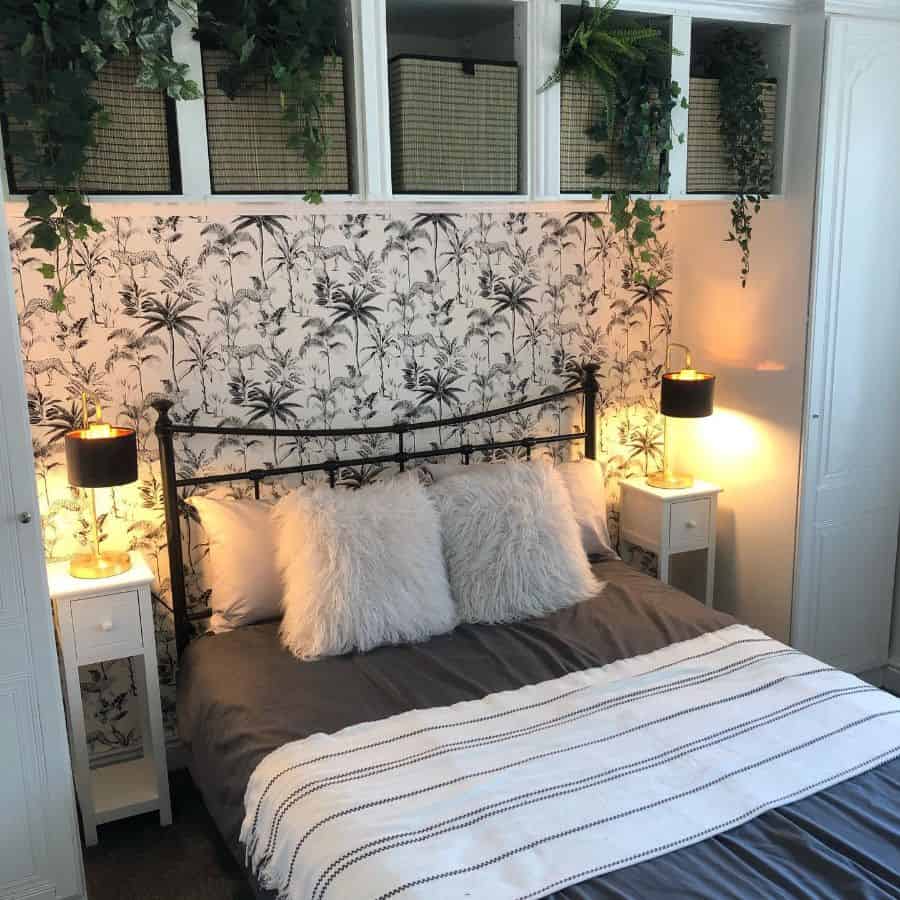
x,y
367,46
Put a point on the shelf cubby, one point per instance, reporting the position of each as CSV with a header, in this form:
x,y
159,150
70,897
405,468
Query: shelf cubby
x,y
707,170
457,106
582,108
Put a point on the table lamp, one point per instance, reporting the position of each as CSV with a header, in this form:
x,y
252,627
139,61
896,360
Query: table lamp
x,y
686,394
99,455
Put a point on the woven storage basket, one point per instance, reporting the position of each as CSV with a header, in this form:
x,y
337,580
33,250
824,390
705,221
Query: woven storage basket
x,y
248,136
454,132
135,152
707,170
582,106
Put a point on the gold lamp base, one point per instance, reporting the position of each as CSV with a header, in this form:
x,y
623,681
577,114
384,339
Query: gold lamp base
x,y
668,481
99,565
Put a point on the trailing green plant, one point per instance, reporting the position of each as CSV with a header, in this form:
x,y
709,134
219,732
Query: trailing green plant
x,y
52,53
646,98
630,64
290,41
736,60
638,223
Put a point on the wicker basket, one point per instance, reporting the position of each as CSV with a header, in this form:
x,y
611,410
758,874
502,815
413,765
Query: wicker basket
x,y
248,136
136,149
454,126
707,170
582,106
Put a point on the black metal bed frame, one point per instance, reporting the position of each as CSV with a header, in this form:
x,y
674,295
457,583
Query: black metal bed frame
x,y
166,430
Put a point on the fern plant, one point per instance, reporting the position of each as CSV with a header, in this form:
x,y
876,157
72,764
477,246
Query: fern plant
x,y
736,60
597,49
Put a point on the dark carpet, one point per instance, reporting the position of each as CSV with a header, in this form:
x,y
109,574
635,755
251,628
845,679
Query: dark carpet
x,y
137,859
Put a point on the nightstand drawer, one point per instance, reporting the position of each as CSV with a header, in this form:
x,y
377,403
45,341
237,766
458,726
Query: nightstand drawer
x,y
689,525
107,626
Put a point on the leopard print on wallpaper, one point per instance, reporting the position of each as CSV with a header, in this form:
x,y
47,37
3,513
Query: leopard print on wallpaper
x,y
320,320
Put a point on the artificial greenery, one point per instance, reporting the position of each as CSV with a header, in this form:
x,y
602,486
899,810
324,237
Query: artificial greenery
x,y
736,60
638,222
630,63
288,40
598,47
646,98
53,52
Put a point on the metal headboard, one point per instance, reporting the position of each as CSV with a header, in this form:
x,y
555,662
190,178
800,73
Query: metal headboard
x,y
166,430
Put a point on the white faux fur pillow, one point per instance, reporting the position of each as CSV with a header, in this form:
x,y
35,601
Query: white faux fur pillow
x,y
512,545
240,566
585,480
361,568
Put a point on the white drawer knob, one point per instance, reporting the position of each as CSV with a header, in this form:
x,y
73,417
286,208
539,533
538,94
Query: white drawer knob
x,y
106,625
690,524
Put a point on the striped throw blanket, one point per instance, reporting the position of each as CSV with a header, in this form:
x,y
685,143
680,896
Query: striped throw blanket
x,y
525,792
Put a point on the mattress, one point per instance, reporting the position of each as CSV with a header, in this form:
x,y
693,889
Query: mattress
x,y
241,695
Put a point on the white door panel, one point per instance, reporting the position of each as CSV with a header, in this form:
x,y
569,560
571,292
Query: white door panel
x,y
850,501
39,845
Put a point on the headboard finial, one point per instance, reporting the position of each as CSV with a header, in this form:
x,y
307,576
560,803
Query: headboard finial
x,y
162,405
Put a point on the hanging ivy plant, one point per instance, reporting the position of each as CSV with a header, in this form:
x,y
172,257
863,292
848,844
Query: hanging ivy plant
x,y
736,60
638,222
630,64
647,95
288,40
53,51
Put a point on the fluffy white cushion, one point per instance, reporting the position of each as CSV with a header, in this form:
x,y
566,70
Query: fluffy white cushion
x,y
361,568
240,566
512,545
585,481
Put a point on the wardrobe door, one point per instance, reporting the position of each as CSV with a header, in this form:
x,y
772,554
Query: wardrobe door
x,y
850,501
39,848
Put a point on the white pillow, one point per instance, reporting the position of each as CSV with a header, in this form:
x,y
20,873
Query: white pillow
x,y
512,545
361,568
240,567
585,480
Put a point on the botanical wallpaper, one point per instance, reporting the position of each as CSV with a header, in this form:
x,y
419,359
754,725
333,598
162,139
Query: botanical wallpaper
x,y
321,320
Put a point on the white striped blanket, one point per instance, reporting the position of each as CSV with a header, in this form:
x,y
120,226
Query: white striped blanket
x,y
525,792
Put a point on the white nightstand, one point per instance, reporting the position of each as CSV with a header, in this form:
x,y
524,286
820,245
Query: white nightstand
x,y
99,620
670,522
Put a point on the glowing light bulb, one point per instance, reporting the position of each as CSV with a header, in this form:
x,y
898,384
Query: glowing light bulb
x,y
97,430
687,375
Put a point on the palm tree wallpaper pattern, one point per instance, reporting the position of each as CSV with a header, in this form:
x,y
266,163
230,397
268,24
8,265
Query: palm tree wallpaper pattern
x,y
322,320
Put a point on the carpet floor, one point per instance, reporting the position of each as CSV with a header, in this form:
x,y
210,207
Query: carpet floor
x,y
137,859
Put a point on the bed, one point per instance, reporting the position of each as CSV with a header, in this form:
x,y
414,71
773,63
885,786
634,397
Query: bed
x,y
241,696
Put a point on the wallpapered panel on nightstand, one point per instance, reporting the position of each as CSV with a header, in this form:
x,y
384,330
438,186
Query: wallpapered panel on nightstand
x,y
320,320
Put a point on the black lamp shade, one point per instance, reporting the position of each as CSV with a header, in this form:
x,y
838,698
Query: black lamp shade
x,y
96,462
687,398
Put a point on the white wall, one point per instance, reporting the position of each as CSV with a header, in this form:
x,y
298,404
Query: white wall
x,y
895,629
754,340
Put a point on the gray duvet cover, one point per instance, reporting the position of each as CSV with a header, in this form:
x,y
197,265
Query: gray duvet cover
x,y
241,695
